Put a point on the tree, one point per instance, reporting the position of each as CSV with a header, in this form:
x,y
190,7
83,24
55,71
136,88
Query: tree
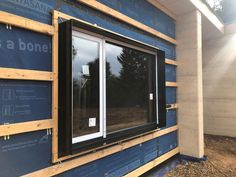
x,y
225,9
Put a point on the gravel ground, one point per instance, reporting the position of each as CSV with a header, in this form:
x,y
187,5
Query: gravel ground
x,y
221,153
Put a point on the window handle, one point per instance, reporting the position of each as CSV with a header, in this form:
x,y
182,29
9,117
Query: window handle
x,y
150,96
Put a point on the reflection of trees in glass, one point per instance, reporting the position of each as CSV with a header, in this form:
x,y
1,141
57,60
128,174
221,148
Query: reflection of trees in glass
x,y
86,88
86,99
131,87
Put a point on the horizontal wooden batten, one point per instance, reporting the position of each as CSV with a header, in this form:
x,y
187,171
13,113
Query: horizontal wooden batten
x,y
17,128
24,74
107,10
170,62
150,165
172,106
171,84
162,8
25,23
106,145
68,165
56,15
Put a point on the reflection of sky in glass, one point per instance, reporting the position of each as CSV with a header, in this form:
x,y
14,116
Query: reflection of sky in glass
x,y
85,51
112,52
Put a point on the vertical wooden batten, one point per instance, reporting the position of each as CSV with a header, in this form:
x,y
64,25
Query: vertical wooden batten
x,y
25,74
53,76
55,88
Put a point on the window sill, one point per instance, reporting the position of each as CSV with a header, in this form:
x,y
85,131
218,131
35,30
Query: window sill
x,y
122,144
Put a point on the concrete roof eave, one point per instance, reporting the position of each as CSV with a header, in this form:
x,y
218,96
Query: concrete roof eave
x,y
211,25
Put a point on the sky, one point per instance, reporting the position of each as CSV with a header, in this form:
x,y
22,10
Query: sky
x,y
211,2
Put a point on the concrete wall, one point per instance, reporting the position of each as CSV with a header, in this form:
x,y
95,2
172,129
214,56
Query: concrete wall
x,y
219,84
189,78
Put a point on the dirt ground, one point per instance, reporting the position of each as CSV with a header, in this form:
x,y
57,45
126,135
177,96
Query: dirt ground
x,y
221,153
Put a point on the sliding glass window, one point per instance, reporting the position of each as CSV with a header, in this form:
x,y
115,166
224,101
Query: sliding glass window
x,y
110,87
86,56
130,87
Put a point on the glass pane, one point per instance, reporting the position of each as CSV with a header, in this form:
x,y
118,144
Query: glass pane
x,y
130,82
85,67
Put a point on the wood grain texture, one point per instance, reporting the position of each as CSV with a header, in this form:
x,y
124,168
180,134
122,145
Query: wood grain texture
x,y
150,165
172,106
56,15
171,84
23,74
17,128
25,23
170,62
55,88
109,11
68,165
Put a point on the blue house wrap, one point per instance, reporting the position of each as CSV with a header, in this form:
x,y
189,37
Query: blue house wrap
x,y
22,101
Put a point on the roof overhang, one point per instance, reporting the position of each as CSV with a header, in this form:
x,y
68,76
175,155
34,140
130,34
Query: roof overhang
x,y
211,25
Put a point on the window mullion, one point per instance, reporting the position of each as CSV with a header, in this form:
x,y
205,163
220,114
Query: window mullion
x,y
104,88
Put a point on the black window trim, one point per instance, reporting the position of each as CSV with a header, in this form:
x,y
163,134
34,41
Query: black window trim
x,y
65,125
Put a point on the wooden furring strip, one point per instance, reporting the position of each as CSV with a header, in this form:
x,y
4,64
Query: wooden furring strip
x,y
150,165
106,145
68,165
109,11
68,17
25,23
17,128
55,88
56,15
171,84
170,62
172,106
24,74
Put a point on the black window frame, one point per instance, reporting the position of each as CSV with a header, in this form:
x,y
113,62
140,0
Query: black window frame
x,y
65,96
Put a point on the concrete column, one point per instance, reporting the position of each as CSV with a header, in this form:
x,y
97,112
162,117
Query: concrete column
x,y
189,78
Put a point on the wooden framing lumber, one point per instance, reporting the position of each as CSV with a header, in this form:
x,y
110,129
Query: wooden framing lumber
x,y
55,89
109,11
56,15
172,106
68,17
162,8
68,165
106,145
171,84
24,74
170,62
17,128
143,169
25,23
